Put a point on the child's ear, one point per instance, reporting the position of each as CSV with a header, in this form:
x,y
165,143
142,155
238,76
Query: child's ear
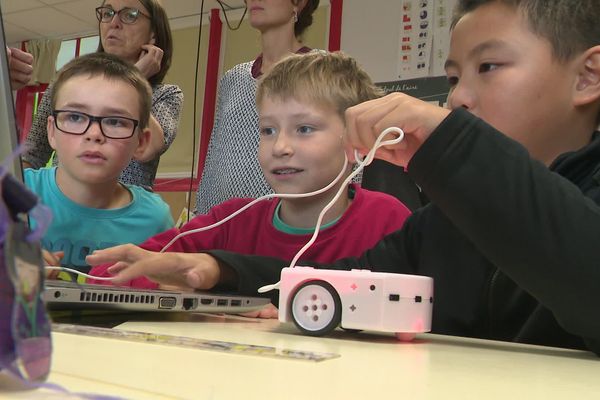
x,y
143,143
587,85
51,132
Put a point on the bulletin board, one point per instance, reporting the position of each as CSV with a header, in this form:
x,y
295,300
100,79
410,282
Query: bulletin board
x,y
399,39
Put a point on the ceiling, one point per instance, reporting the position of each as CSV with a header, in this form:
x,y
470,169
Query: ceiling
x,y
34,19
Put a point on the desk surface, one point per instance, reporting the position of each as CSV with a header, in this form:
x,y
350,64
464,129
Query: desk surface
x,y
369,366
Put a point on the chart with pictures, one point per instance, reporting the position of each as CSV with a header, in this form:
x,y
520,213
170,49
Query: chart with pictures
x,y
424,37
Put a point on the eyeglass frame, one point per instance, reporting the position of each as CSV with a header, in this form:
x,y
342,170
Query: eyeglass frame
x,y
118,13
92,119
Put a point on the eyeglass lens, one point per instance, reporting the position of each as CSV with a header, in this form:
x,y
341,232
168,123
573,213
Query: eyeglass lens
x,y
112,127
127,15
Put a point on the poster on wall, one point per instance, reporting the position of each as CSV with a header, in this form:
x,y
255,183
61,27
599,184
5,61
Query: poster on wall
x,y
431,89
424,37
391,179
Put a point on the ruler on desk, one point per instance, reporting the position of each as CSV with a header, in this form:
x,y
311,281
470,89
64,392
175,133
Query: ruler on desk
x,y
182,341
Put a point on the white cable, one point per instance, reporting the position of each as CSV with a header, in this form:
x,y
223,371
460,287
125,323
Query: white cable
x,y
100,278
361,165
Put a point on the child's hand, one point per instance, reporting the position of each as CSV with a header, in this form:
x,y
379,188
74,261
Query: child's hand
x,y
267,312
20,65
150,60
184,270
416,118
52,259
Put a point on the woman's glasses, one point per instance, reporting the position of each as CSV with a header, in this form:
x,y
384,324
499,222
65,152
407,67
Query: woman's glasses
x,y
127,15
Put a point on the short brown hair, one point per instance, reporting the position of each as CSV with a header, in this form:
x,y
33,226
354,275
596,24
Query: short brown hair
x,y
333,79
111,67
571,26
163,38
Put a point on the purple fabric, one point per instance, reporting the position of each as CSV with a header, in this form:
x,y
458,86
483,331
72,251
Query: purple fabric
x,y
6,290
25,345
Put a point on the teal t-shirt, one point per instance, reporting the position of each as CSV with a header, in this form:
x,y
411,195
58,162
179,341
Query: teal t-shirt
x,y
79,230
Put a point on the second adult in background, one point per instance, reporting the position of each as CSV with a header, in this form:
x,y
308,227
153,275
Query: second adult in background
x,y
137,31
231,168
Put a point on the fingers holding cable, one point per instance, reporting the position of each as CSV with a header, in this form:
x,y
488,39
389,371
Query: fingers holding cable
x,y
416,118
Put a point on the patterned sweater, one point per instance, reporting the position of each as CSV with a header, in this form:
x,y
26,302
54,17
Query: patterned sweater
x,y
231,169
167,102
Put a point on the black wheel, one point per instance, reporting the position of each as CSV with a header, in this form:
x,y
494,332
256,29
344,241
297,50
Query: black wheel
x,y
316,308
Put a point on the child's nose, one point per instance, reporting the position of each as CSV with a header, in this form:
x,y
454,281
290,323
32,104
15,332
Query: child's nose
x,y
94,132
282,145
460,96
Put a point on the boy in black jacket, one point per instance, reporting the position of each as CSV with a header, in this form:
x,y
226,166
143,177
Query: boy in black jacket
x,y
511,234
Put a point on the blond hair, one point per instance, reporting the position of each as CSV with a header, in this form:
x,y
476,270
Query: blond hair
x,y
332,79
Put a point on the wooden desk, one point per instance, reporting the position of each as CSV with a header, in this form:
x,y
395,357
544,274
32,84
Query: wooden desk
x,y
369,366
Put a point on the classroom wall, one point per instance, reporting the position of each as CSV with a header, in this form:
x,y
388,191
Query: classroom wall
x,y
244,44
373,41
375,36
177,160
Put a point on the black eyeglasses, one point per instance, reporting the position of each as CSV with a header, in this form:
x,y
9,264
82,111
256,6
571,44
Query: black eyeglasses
x,y
77,123
127,15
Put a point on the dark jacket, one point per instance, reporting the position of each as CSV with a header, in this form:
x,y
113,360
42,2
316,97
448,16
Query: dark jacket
x,y
513,247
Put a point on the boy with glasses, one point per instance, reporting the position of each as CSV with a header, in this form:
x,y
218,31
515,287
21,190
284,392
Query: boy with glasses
x,y
99,122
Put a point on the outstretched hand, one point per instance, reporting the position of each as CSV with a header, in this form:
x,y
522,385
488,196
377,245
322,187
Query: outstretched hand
x,y
366,121
183,270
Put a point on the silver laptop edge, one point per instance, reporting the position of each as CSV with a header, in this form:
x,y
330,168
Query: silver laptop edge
x,y
67,295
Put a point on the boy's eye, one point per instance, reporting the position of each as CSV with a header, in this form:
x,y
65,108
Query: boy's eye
x,y
267,131
487,67
305,129
76,117
452,80
114,122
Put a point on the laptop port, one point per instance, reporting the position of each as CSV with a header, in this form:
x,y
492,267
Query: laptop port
x,y
236,303
221,302
206,302
190,304
167,302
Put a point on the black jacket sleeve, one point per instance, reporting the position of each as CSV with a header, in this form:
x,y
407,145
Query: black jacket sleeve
x,y
536,226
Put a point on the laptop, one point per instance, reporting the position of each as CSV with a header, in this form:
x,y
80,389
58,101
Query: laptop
x,y
69,295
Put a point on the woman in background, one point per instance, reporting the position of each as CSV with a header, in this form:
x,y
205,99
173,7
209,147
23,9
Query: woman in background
x,y
231,168
137,31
